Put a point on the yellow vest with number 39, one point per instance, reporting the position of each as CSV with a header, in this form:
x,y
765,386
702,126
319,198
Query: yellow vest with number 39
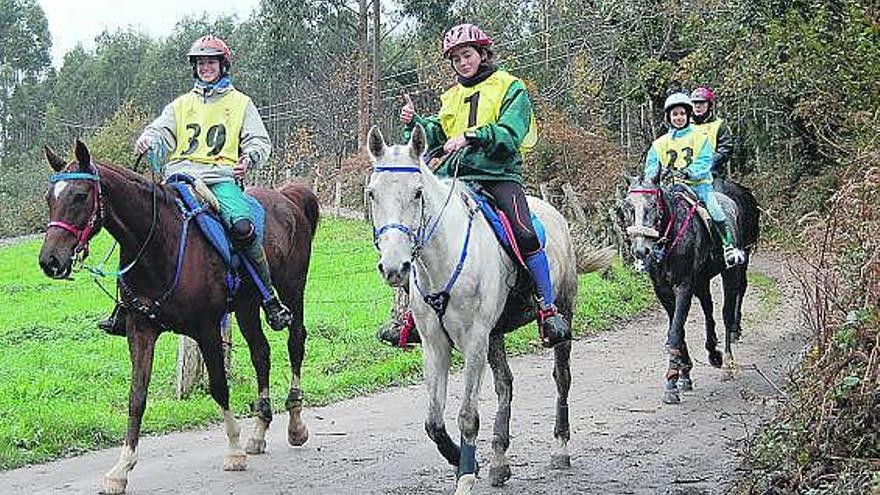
x,y
209,132
466,108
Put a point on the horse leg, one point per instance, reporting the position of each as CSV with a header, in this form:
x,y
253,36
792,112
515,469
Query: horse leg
x,y
675,342
436,354
248,317
731,282
475,352
297,433
499,471
141,348
704,294
212,352
560,458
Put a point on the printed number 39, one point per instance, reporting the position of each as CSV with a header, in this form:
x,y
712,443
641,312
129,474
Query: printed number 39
x,y
215,138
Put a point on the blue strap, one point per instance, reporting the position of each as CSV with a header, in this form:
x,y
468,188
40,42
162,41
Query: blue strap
x,y
264,291
412,170
62,176
455,273
396,226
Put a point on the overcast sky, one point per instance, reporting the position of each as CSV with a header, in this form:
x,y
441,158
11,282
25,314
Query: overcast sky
x,y
79,21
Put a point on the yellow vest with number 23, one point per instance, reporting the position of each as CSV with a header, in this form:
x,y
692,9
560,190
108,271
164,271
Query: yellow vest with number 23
x,y
209,132
466,108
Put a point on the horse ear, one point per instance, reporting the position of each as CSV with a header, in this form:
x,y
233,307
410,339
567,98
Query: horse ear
x,y
417,143
375,143
83,157
54,160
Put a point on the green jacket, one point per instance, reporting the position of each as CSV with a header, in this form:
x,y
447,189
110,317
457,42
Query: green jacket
x,y
494,154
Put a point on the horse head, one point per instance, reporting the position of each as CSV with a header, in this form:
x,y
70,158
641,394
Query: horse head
x,y
645,196
395,201
75,215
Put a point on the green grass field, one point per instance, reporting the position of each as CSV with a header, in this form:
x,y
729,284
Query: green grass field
x,y
64,384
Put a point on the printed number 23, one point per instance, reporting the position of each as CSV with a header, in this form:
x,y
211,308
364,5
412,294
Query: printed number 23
x,y
215,138
688,157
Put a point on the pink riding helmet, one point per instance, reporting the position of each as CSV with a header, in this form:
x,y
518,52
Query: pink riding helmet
x,y
464,34
703,93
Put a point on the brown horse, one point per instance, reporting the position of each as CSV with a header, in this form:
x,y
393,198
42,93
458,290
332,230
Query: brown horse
x,y
143,218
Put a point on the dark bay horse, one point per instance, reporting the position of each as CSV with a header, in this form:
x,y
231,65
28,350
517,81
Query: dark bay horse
x,y
682,257
142,216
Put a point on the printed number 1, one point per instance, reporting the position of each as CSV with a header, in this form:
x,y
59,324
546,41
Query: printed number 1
x,y
474,100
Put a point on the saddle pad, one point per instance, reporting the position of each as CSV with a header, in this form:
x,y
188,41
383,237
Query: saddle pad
x,y
207,220
492,215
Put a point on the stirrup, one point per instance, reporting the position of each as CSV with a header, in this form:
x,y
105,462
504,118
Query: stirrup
x,y
552,327
277,314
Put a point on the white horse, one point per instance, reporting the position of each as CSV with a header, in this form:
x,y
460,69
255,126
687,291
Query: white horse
x,y
466,292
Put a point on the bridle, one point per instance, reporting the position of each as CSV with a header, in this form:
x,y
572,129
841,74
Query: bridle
x,y
654,232
93,225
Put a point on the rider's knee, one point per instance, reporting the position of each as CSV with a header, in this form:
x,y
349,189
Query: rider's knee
x,y
528,242
243,233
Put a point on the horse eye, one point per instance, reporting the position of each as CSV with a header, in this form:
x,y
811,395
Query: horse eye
x,y
80,196
370,194
418,193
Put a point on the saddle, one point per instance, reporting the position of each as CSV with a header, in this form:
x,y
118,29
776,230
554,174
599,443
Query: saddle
x,y
196,201
687,194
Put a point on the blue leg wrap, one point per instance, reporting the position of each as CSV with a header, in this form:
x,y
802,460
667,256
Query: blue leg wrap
x,y
467,463
540,270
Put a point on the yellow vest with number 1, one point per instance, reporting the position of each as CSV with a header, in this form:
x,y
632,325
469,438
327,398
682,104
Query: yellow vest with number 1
x,y
208,132
464,108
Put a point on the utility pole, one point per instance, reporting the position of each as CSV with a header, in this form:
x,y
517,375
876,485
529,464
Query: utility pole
x,y
377,54
363,97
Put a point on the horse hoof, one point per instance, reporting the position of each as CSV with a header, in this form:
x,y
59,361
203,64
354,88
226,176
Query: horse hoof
x,y
499,474
465,484
298,437
685,384
256,446
716,359
560,461
113,486
671,398
235,462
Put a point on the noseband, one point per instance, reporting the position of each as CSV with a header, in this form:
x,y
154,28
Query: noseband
x,y
82,234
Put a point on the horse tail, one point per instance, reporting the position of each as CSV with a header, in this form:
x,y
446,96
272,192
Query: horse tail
x,y
593,260
750,215
303,197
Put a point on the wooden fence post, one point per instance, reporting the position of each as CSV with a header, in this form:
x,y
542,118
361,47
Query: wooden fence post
x,y
337,198
545,192
575,203
191,366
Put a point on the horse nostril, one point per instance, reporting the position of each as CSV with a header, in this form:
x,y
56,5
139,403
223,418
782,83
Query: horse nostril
x,y
405,267
381,268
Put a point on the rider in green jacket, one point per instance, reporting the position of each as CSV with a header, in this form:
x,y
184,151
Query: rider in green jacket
x,y
487,118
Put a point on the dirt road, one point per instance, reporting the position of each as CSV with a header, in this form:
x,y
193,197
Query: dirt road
x,y
624,441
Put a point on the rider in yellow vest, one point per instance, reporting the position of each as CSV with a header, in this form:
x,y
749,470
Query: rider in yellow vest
x,y
716,130
488,115
687,153
214,133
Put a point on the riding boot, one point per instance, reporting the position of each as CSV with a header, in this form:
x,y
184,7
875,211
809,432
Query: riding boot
x,y
732,255
277,314
552,326
400,332
115,323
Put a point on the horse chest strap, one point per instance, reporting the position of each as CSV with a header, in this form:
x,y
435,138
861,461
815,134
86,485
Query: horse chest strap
x,y
438,301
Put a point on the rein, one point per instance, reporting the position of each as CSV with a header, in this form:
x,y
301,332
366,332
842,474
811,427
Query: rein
x,y
635,231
